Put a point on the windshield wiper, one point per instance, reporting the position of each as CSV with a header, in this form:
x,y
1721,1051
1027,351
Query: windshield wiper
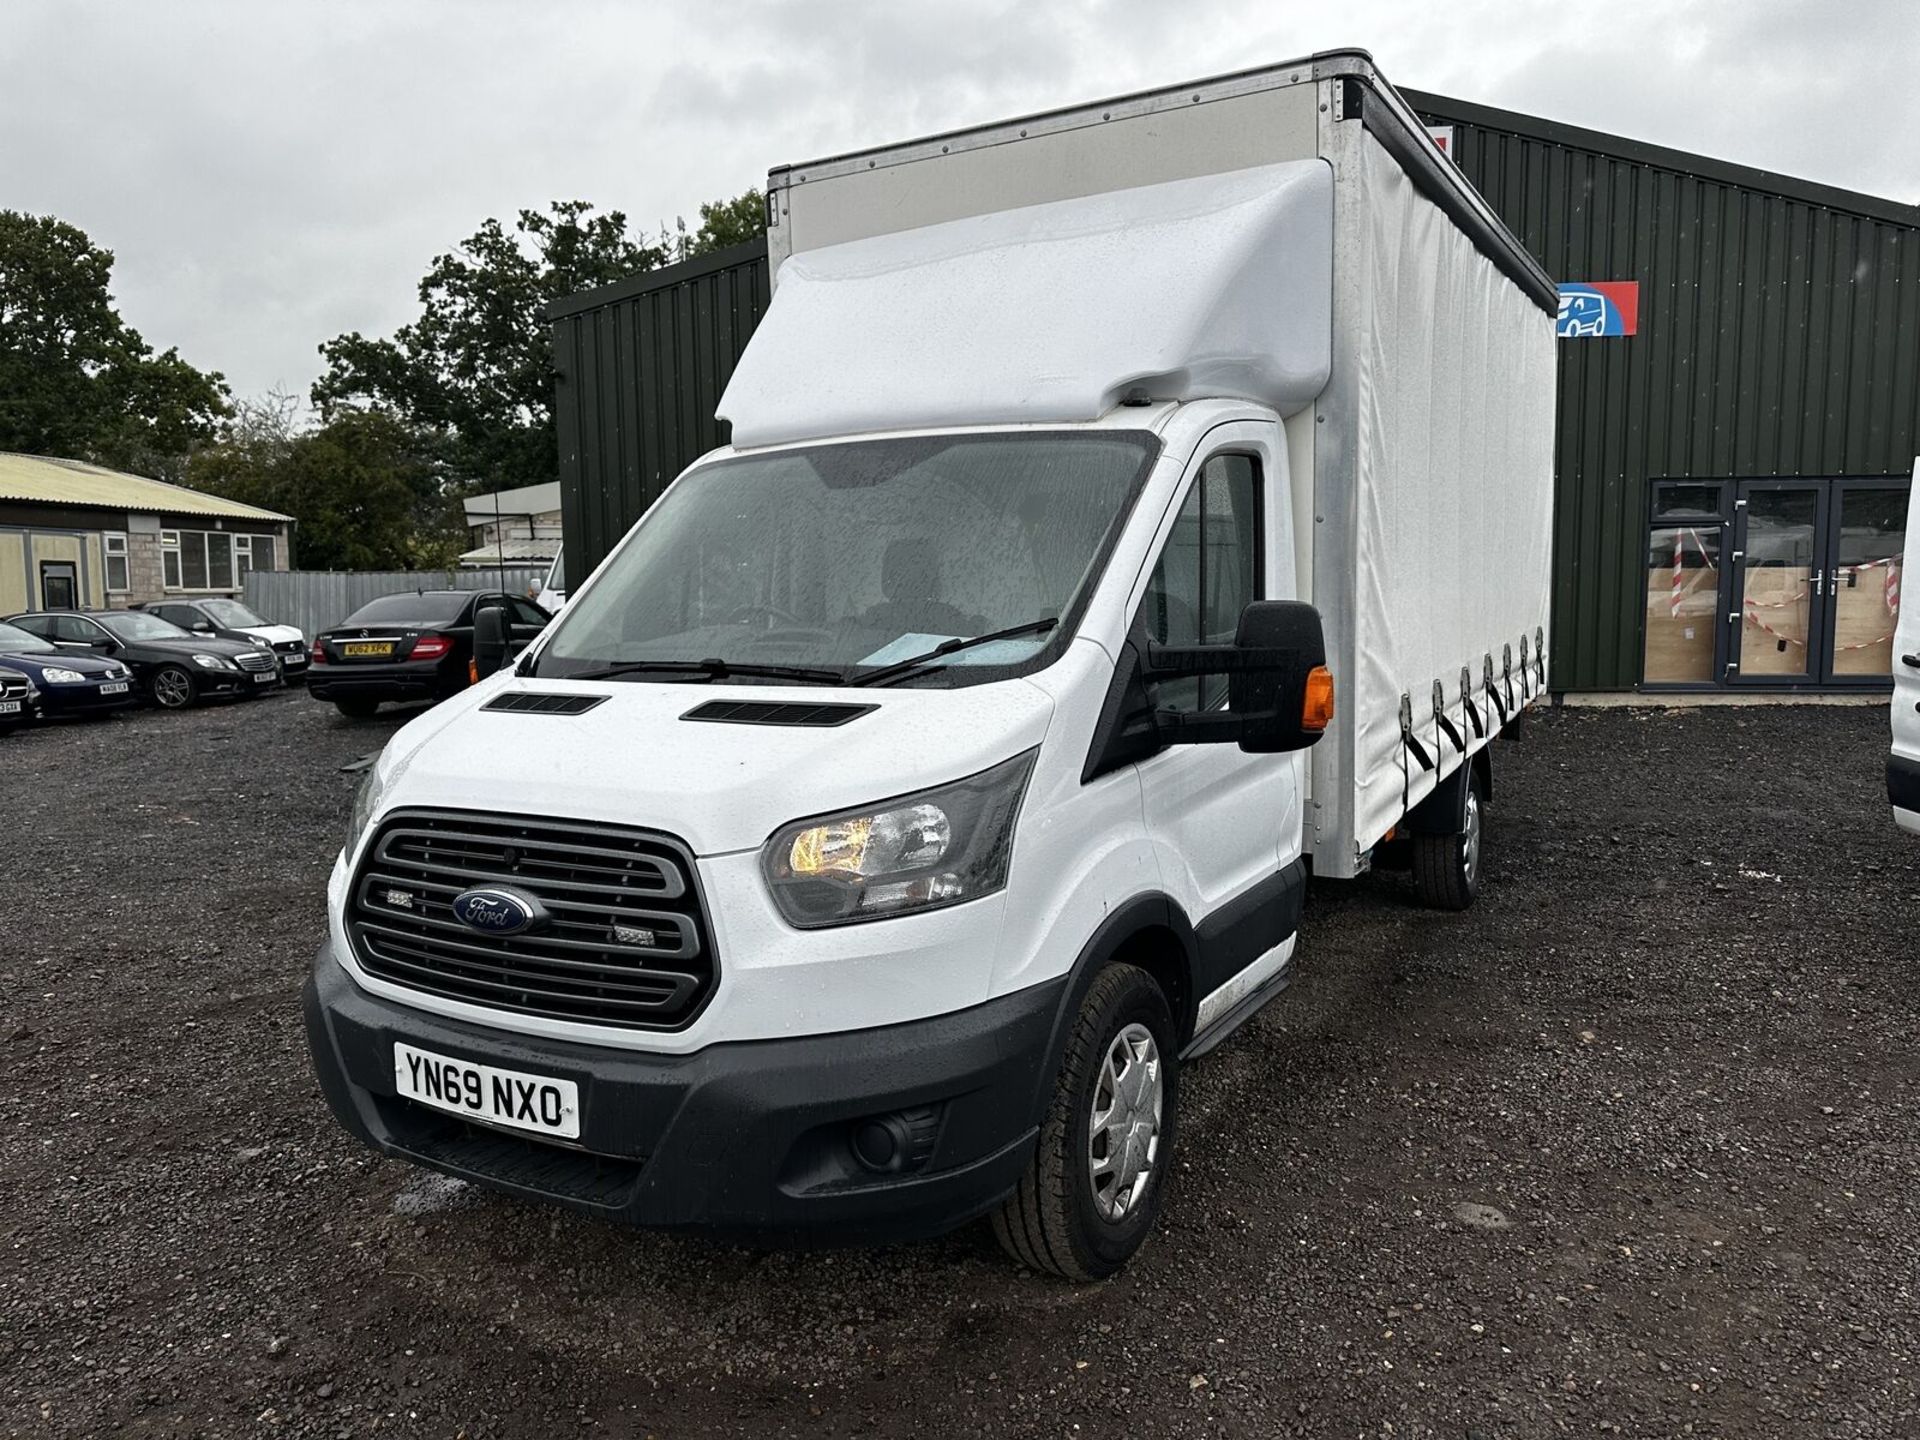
x,y
887,674
709,670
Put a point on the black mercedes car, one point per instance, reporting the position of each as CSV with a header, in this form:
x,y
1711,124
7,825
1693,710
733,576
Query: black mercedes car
x,y
174,668
230,620
414,646
69,683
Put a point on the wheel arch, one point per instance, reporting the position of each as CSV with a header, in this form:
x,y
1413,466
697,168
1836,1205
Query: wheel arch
x,y
1151,931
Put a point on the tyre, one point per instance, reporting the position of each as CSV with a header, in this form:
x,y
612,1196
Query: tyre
x,y
1089,1198
357,709
173,687
1446,868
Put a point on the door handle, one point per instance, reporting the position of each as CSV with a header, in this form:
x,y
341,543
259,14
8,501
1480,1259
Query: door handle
x,y
1911,660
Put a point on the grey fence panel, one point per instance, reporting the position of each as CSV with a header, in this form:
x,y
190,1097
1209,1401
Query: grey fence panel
x,y
315,599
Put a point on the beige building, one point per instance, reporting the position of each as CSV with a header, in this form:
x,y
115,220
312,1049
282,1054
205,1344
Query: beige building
x,y
76,535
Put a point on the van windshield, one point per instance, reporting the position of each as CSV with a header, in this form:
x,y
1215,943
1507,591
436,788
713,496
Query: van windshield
x,y
853,556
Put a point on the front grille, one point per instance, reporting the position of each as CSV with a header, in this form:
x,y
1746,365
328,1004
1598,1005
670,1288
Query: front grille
x,y
255,661
626,941
13,685
290,647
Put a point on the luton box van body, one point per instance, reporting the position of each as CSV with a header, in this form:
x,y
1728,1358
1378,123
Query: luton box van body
x,y
1127,510
1903,765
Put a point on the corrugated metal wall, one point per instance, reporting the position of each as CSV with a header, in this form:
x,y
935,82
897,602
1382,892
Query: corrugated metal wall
x,y
1779,334
316,599
641,366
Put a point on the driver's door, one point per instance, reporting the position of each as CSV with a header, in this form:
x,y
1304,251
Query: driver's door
x,y
1225,824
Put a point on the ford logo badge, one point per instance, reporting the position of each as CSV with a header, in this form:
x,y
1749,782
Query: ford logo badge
x,y
497,910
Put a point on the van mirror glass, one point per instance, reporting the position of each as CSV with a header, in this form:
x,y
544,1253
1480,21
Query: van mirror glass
x,y
489,639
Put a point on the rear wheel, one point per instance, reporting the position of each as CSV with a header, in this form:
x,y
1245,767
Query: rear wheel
x,y
357,709
1088,1200
1446,868
173,687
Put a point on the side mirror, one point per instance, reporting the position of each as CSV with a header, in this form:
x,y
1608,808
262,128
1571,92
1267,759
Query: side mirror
x,y
489,640
1279,693
203,627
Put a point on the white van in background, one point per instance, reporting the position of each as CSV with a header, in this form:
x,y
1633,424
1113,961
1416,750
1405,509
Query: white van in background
x,y
1903,765
924,781
551,593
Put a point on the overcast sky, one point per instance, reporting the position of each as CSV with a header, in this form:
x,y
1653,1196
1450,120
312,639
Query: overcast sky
x,y
270,173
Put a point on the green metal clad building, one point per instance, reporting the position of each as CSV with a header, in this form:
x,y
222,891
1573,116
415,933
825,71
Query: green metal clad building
x,y
1739,402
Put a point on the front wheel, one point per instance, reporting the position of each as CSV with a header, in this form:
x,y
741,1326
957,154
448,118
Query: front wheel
x,y
173,687
1446,868
1089,1198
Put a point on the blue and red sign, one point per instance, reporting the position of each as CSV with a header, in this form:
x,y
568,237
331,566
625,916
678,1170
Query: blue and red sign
x,y
1593,308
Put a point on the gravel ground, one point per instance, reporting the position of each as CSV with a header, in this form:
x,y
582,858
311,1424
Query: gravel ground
x,y
1627,1149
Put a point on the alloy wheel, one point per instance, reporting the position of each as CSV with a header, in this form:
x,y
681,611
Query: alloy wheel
x,y
1123,1132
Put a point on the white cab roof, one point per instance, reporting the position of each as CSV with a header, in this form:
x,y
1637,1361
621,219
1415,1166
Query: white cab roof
x,y
1219,285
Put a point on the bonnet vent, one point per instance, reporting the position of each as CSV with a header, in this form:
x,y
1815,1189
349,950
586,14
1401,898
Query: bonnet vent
x,y
776,712
533,703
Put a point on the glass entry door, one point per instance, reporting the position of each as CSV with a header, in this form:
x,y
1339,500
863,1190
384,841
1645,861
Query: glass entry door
x,y
1869,524
1773,583
1779,575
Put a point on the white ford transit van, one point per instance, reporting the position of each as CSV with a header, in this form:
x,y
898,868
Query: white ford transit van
x,y
1903,765
1129,510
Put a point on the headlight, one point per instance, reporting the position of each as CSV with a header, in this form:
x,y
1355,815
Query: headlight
x,y
57,676
918,852
365,801
214,662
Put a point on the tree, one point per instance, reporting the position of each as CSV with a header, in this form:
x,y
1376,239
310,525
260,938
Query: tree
x,y
474,374
729,222
363,491
75,379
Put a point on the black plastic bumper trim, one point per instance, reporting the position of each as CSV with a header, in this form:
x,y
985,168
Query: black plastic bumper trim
x,y
750,1138
1903,782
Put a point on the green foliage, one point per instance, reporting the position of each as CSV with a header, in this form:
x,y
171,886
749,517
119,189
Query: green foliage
x,y
474,374
729,222
75,379
364,492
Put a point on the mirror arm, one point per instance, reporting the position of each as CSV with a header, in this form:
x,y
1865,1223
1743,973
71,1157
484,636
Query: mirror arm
x,y
1167,662
1180,727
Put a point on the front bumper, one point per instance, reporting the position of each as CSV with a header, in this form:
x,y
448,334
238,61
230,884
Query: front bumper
x,y
56,700
749,1138
227,682
1903,789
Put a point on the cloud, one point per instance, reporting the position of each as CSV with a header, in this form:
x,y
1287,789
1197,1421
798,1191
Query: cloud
x,y
269,176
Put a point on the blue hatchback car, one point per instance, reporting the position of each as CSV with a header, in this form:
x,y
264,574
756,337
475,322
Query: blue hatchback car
x,y
69,684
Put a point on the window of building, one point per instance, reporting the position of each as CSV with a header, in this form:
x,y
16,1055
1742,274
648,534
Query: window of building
x,y
210,559
219,560
1208,573
118,579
